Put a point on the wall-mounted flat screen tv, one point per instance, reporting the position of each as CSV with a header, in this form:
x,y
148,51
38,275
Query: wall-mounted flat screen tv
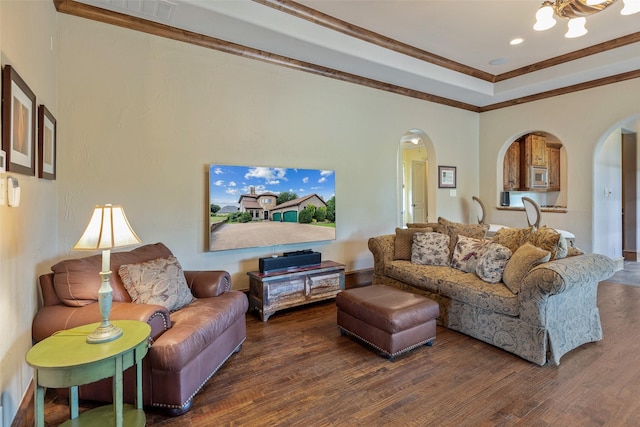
x,y
253,206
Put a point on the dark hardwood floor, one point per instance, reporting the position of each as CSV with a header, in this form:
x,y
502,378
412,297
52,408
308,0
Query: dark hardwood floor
x,y
296,369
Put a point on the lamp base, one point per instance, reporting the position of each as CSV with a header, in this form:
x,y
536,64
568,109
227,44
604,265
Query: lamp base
x,y
104,333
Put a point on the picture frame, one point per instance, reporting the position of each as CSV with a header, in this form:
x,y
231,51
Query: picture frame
x,y
18,123
47,141
446,177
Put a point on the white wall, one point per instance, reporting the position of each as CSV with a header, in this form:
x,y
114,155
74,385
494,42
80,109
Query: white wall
x,y
581,121
141,118
607,210
28,233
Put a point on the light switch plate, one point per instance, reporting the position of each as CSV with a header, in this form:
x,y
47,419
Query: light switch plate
x,y
452,193
3,191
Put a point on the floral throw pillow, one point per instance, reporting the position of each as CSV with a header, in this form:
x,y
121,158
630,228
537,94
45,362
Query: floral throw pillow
x,y
430,248
467,253
492,262
160,281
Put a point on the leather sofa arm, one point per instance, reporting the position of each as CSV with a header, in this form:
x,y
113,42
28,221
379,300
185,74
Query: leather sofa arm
x,y
382,248
53,318
205,284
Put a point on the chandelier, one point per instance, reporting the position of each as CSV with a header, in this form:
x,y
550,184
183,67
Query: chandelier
x,y
576,11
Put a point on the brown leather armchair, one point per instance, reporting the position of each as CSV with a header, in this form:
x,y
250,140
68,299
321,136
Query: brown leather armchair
x,y
188,345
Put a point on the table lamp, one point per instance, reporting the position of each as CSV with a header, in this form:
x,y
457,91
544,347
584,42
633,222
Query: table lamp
x,y
108,228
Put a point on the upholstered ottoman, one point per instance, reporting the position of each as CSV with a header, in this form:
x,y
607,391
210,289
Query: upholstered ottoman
x,y
390,320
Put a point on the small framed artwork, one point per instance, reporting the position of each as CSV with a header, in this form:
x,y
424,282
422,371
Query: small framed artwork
x,y
446,177
46,143
18,123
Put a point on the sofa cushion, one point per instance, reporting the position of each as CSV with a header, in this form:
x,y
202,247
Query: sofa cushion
x,y
195,327
430,248
472,290
492,262
467,253
455,229
404,241
524,259
574,251
160,281
77,281
512,238
550,240
433,225
418,276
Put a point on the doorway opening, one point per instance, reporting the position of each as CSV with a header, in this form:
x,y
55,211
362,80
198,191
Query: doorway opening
x,y
415,200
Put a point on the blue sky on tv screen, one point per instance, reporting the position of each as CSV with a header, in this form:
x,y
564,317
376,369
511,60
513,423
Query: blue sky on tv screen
x,y
227,183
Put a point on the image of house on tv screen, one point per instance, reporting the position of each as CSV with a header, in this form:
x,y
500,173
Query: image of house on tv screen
x,y
252,206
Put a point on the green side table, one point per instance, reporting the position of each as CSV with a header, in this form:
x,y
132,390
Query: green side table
x,y
65,359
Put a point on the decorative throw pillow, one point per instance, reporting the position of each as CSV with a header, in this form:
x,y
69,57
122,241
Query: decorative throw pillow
x,y
492,262
433,225
430,248
550,240
524,259
512,238
467,253
159,281
573,251
455,229
404,241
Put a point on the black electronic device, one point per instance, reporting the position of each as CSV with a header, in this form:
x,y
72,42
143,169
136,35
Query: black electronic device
x,y
289,261
505,199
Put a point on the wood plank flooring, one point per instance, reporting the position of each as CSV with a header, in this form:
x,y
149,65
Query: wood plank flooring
x,y
297,370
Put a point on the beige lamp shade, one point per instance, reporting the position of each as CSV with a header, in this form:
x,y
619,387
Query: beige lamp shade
x,y
108,228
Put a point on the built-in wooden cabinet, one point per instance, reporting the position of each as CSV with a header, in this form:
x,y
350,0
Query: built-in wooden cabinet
x,y
535,147
511,168
553,159
531,150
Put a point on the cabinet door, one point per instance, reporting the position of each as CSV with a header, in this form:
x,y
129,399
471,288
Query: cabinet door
x,y
324,284
538,149
283,293
511,167
554,168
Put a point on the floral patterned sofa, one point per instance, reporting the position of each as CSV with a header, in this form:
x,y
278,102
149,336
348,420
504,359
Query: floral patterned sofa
x,y
522,290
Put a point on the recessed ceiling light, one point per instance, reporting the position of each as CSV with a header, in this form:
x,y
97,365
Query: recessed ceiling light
x,y
516,41
498,61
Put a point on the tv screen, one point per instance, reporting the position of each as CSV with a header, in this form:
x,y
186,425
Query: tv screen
x,y
253,206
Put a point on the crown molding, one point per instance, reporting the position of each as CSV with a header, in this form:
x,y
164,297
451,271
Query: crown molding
x,y
75,8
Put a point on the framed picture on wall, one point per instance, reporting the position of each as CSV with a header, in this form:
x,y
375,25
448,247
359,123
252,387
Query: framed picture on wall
x,y
446,177
18,123
46,143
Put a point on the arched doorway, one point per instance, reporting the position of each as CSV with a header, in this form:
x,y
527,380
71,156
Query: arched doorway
x,y
416,200
616,214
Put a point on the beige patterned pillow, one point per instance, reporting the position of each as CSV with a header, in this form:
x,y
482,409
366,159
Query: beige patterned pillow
x,y
467,253
550,240
492,262
455,229
573,251
524,259
512,238
404,241
159,281
430,248
433,225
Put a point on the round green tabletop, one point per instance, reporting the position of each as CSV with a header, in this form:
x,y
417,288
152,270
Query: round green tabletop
x,y
68,348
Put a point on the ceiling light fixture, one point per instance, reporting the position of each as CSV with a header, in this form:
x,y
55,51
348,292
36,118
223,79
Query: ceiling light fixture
x,y
576,12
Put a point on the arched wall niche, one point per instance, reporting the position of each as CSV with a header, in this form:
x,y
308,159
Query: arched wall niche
x,y
550,197
415,152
